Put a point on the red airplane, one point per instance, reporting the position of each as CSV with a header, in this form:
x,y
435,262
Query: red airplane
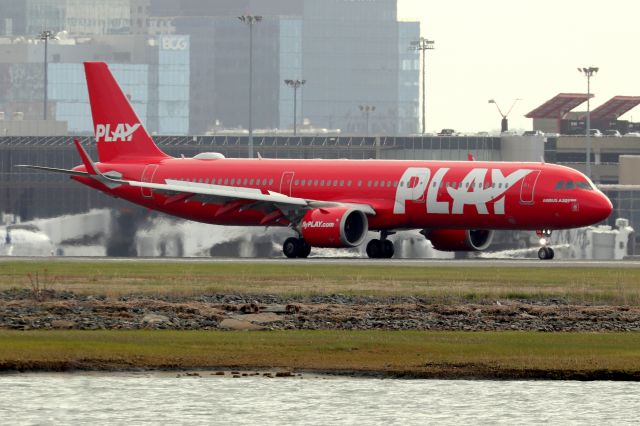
x,y
331,203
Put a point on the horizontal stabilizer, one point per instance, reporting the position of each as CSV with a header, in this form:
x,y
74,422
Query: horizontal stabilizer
x,y
53,169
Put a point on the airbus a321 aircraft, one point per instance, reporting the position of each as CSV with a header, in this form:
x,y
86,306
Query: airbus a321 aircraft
x,y
331,203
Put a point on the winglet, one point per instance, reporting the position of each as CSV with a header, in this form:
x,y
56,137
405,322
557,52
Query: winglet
x,y
470,157
92,170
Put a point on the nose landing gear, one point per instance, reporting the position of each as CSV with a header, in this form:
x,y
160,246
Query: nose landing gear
x,y
545,252
382,248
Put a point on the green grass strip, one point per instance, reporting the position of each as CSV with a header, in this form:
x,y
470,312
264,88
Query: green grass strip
x,y
406,353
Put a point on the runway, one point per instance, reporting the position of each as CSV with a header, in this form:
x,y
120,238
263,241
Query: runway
x,y
354,261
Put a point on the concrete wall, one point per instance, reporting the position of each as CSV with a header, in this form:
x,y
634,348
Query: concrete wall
x,y
33,128
629,170
522,148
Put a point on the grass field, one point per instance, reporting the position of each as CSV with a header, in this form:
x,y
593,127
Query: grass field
x,y
415,354
447,284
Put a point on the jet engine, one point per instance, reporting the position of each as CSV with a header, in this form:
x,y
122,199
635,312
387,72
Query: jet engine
x,y
334,227
459,239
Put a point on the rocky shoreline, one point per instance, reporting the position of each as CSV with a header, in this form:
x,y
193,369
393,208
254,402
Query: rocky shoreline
x,y
20,309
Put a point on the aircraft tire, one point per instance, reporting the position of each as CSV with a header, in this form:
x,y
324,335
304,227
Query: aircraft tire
x,y
374,249
545,253
388,250
291,247
304,248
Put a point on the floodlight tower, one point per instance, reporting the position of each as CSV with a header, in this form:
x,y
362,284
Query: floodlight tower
x,y
46,36
250,20
367,109
422,45
588,72
504,124
295,85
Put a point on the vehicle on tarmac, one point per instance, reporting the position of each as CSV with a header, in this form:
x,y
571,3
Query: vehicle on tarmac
x,y
457,205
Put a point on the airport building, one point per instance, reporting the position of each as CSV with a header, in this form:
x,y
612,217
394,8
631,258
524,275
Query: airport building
x,y
187,63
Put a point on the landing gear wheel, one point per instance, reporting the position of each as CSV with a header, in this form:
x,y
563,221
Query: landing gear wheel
x,y
387,249
304,248
545,253
374,249
291,247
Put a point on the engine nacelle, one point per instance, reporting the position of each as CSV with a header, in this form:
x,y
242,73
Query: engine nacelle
x,y
334,227
459,239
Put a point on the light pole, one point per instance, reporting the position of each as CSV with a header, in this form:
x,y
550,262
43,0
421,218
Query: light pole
x,y
250,20
422,45
46,36
295,85
504,124
588,72
367,109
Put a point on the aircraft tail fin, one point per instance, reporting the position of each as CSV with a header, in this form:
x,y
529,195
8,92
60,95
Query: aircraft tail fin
x,y
119,133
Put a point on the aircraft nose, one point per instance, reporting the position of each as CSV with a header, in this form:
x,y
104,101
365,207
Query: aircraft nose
x,y
602,207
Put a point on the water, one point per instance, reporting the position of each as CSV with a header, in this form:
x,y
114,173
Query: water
x,y
134,399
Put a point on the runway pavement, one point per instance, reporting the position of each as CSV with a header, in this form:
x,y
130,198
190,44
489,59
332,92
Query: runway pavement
x,y
457,263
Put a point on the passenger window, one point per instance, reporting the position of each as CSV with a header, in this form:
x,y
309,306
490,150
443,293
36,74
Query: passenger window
x,y
560,184
466,184
342,183
500,185
271,181
251,182
309,182
349,183
435,184
395,184
335,182
226,181
570,185
369,183
388,184
295,182
321,182
233,181
264,181
302,182
246,181
359,183
375,183
315,182
220,181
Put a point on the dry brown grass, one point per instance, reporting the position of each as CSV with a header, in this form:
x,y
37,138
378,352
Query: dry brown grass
x,y
451,284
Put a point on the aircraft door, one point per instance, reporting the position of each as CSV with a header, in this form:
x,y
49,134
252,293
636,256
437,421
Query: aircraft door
x,y
147,176
286,182
527,190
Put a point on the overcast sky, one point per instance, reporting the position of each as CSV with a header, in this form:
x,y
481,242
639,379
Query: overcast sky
x,y
529,49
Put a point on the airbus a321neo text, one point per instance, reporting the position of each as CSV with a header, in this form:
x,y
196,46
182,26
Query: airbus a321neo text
x,y
457,205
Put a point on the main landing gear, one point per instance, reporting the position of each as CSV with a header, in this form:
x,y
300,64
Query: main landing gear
x,y
545,252
296,247
382,248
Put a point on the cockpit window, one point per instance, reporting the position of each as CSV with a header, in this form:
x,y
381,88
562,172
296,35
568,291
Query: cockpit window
x,y
584,185
570,185
560,185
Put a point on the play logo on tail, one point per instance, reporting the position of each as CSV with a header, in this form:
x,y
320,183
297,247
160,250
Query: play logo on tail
x,y
122,133
115,121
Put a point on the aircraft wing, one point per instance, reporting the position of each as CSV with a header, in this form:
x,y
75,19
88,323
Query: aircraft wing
x,y
180,190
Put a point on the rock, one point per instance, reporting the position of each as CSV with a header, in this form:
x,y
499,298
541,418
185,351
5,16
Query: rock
x,y
62,324
155,319
284,374
236,324
264,318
